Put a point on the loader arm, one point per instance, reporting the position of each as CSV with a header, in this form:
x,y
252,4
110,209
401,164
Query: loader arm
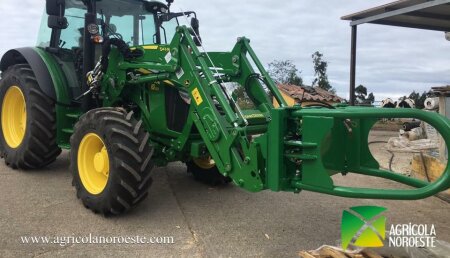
x,y
281,149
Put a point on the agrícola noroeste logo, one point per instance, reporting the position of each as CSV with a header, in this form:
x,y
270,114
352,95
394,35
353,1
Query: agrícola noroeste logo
x,y
365,226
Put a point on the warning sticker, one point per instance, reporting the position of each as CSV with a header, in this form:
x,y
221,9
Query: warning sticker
x,y
197,97
168,57
179,73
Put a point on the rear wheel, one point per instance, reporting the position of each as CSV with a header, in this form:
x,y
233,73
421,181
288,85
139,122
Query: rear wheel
x,y
110,161
28,121
205,170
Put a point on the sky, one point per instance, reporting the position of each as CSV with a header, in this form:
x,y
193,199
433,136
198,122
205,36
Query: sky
x,y
392,62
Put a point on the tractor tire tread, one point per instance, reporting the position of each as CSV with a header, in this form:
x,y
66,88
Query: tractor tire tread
x,y
39,147
127,184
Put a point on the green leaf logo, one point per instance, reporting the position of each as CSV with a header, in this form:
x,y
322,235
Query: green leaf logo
x,y
363,226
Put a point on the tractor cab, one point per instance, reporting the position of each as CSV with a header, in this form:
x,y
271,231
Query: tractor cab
x,y
137,22
74,30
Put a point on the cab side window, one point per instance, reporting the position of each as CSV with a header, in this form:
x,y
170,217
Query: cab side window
x,y
72,37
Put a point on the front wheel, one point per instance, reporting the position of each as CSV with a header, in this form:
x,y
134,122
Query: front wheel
x,y
110,161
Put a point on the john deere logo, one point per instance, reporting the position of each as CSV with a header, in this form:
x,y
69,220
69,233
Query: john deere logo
x,y
363,226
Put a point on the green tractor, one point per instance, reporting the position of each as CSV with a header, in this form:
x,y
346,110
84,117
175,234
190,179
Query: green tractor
x,y
125,87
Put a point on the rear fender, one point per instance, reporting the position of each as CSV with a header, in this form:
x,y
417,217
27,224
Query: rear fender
x,y
30,56
52,81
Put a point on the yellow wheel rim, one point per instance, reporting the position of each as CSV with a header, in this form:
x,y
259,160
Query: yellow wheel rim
x,y
14,117
93,163
204,163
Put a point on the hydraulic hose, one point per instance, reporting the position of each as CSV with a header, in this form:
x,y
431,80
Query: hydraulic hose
x,y
123,48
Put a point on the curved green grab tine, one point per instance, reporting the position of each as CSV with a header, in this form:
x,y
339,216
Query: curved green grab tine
x,y
368,193
392,176
423,189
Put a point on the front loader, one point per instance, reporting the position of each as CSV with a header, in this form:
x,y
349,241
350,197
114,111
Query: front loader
x,y
125,87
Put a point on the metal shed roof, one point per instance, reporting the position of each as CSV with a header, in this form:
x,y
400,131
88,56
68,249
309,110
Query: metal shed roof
x,y
308,93
419,14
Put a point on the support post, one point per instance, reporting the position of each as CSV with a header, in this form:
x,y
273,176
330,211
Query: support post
x,y
88,53
353,65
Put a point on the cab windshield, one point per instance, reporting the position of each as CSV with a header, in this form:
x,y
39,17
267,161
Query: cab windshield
x,y
129,20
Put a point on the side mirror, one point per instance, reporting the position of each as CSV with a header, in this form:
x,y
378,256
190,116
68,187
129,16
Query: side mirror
x,y
56,7
55,11
56,22
195,24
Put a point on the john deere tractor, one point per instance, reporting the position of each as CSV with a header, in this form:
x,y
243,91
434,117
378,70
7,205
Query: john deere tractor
x,y
125,87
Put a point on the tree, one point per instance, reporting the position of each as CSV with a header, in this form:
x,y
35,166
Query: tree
x,y
416,97
420,103
320,71
361,92
285,72
240,96
371,98
361,96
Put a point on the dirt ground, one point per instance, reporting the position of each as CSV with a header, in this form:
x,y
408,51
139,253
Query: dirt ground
x,y
204,221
